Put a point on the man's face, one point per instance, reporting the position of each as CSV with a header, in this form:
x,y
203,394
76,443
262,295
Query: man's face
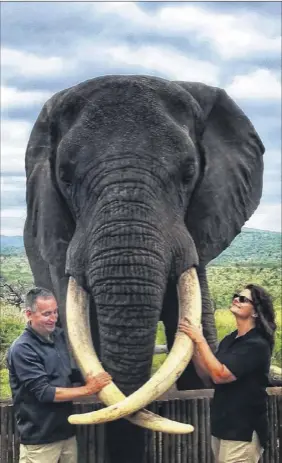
x,y
45,318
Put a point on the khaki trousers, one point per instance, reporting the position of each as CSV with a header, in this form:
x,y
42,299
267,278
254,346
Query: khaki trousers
x,y
63,451
230,451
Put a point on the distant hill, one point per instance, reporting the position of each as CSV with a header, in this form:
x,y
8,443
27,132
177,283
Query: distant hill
x,y
11,244
251,247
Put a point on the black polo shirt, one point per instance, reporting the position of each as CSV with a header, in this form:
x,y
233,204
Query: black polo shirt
x,y
240,407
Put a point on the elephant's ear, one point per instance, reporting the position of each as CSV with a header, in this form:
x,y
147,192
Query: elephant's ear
x,y
49,222
230,186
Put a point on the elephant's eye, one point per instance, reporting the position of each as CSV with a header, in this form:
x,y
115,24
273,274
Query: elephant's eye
x,y
65,177
188,171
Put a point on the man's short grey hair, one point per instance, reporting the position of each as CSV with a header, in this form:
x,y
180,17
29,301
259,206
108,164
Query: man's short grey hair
x,y
32,296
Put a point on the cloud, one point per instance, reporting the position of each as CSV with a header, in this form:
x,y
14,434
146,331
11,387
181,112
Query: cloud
x,y
237,48
260,84
12,97
272,181
266,217
166,61
15,231
16,212
13,183
14,138
232,35
12,221
27,64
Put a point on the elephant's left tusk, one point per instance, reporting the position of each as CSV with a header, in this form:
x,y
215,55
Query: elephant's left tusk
x,y
179,357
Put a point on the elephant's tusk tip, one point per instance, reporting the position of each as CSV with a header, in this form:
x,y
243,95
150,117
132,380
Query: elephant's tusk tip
x,y
79,419
168,428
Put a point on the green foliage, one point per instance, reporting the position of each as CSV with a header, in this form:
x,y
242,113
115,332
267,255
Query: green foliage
x,y
5,391
158,359
224,281
160,336
253,257
15,268
252,247
12,325
225,324
277,352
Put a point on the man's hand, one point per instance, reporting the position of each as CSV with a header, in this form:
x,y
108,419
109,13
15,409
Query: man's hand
x,y
194,333
94,384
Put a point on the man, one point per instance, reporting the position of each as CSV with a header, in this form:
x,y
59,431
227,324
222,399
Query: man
x,y
41,383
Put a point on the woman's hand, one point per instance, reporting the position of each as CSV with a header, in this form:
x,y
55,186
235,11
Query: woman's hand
x,y
194,333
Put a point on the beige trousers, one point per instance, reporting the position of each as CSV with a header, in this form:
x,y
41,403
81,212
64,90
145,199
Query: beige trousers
x,y
230,451
63,451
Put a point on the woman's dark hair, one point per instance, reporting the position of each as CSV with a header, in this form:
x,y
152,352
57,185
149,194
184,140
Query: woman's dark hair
x,y
263,305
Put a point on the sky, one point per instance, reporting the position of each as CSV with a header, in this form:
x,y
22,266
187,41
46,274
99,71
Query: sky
x,y
47,47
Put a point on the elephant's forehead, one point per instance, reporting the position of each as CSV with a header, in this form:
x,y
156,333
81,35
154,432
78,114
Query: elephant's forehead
x,y
134,100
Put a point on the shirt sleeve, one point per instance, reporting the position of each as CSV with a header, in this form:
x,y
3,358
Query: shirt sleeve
x,y
245,358
219,347
30,371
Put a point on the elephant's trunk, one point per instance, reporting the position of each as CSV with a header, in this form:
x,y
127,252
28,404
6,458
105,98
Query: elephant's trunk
x,y
128,277
129,260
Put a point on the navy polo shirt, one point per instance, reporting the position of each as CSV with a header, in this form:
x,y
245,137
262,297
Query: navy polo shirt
x,y
36,367
240,407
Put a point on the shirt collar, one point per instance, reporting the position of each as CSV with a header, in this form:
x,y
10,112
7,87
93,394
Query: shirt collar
x,y
49,340
252,332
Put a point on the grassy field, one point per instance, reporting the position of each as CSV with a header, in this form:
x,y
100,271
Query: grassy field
x,y
13,323
223,282
225,324
16,269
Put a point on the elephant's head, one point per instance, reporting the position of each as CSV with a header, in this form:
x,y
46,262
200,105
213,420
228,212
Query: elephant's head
x,y
132,182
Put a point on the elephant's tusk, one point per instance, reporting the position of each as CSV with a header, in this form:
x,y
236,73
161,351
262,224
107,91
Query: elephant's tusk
x,y
81,342
177,360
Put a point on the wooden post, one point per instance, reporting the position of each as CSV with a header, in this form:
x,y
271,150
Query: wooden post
x,y
4,434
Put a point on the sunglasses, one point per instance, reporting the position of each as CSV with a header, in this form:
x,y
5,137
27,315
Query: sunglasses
x,y
241,299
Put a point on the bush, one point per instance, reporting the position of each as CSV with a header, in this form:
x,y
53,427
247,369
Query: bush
x,y
225,324
12,325
277,351
5,391
159,359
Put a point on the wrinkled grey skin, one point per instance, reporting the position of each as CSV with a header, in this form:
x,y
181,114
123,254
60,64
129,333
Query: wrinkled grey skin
x,y
130,181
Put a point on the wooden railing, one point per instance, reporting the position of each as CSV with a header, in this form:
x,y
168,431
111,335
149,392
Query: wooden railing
x,y
187,406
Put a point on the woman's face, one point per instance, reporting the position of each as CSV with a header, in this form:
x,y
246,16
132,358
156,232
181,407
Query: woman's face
x,y
242,305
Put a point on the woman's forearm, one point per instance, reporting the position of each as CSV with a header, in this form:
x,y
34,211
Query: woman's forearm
x,y
199,363
210,364
201,368
206,361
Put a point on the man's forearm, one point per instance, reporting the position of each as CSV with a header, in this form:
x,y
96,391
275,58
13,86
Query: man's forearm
x,y
65,394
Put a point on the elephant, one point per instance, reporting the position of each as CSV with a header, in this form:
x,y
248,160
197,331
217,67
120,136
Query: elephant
x,y
134,184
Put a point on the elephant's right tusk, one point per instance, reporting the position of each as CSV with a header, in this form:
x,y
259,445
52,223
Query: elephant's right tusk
x,y
180,355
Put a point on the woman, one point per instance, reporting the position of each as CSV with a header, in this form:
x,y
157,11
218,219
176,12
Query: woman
x,y
239,371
